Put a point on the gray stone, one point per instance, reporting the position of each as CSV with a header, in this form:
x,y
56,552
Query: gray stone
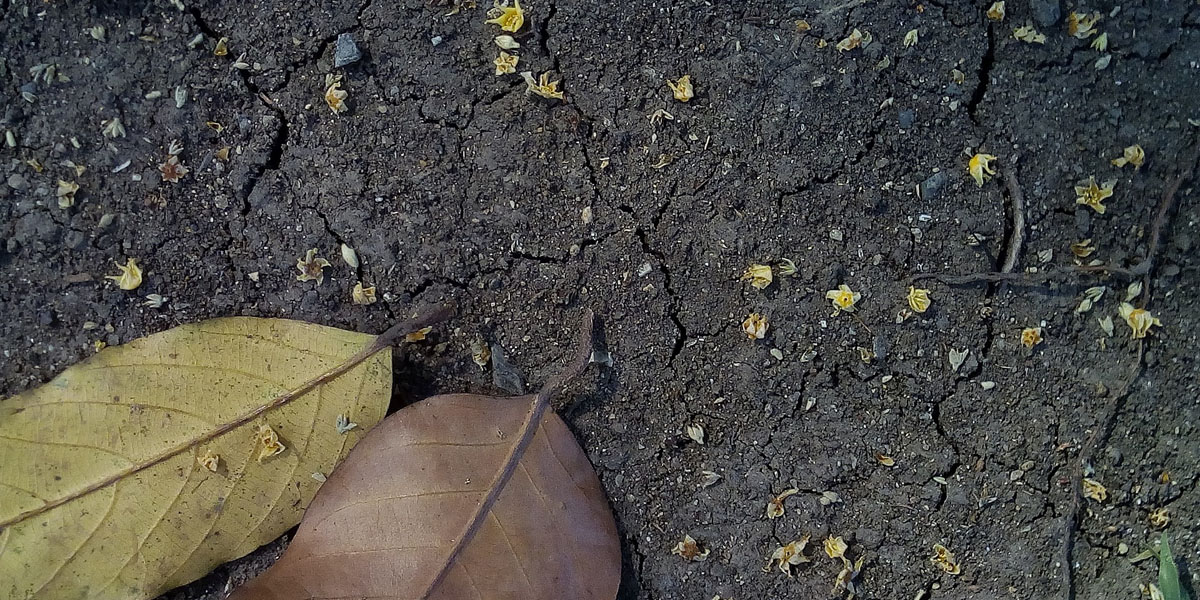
x,y
906,117
346,51
1083,220
1046,13
504,375
931,188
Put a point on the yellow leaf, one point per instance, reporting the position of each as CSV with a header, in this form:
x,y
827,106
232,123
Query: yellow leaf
x,y
105,490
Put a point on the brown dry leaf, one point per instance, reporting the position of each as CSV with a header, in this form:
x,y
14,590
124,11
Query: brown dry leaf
x,y
110,481
456,497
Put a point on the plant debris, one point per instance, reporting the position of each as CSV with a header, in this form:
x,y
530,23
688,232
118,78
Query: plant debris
x,y
363,296
1093,490
980,168
775,505
311,268
509,18
943,558
268,442
854,40
695,432
918,299
1031,336
506,63
1082,25
755,326
1139,320
344,425
1029,35
996,11
843,298
682,88
335,97
209,460
130,277
1092,195
1132,155
172,170
66,193
542,86
690,550
788,556
759,276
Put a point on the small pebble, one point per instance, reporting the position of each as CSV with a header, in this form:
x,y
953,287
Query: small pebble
x,y
345,51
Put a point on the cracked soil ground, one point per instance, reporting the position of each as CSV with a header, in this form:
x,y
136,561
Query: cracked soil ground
x,y
452,183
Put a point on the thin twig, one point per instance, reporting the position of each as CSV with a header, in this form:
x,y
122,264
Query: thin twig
x,y
1025,278
1165,208
1017,201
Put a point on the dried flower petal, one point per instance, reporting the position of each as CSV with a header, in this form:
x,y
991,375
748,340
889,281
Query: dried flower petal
x,y
759,276
66,193
682,88
1082,25
1140,320
209,460
854,40
1160,517
1090,194
980,168
506,63
1083,249
335,97
690,550
1132,155
344,425
542,86
1029,35
1031,336
172,170
918,299
363,296
480,353
788,556
775,505
996,11
1093,490
944,559
885,460
755,326
268,442
910,38
418,335
509,18
311,268
695,433
506,42
130,277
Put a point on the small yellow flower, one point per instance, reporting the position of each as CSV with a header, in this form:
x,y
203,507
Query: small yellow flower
x,y
835,547
759,276
1029,35
222,47
788,556
944,559
542,86
885,460
209,461
755,326
1160,517
509,18
130,277
506,63
843,298
335,97
1081,25
311,268
66,193
775,505
690,550
1133,155
980,168
362,295
996,11
682,88
918,300
1093,490
1139,319
845,578
268,442
1031,336
1090,194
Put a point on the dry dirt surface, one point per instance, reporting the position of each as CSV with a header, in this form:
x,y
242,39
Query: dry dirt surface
x,y
453,183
